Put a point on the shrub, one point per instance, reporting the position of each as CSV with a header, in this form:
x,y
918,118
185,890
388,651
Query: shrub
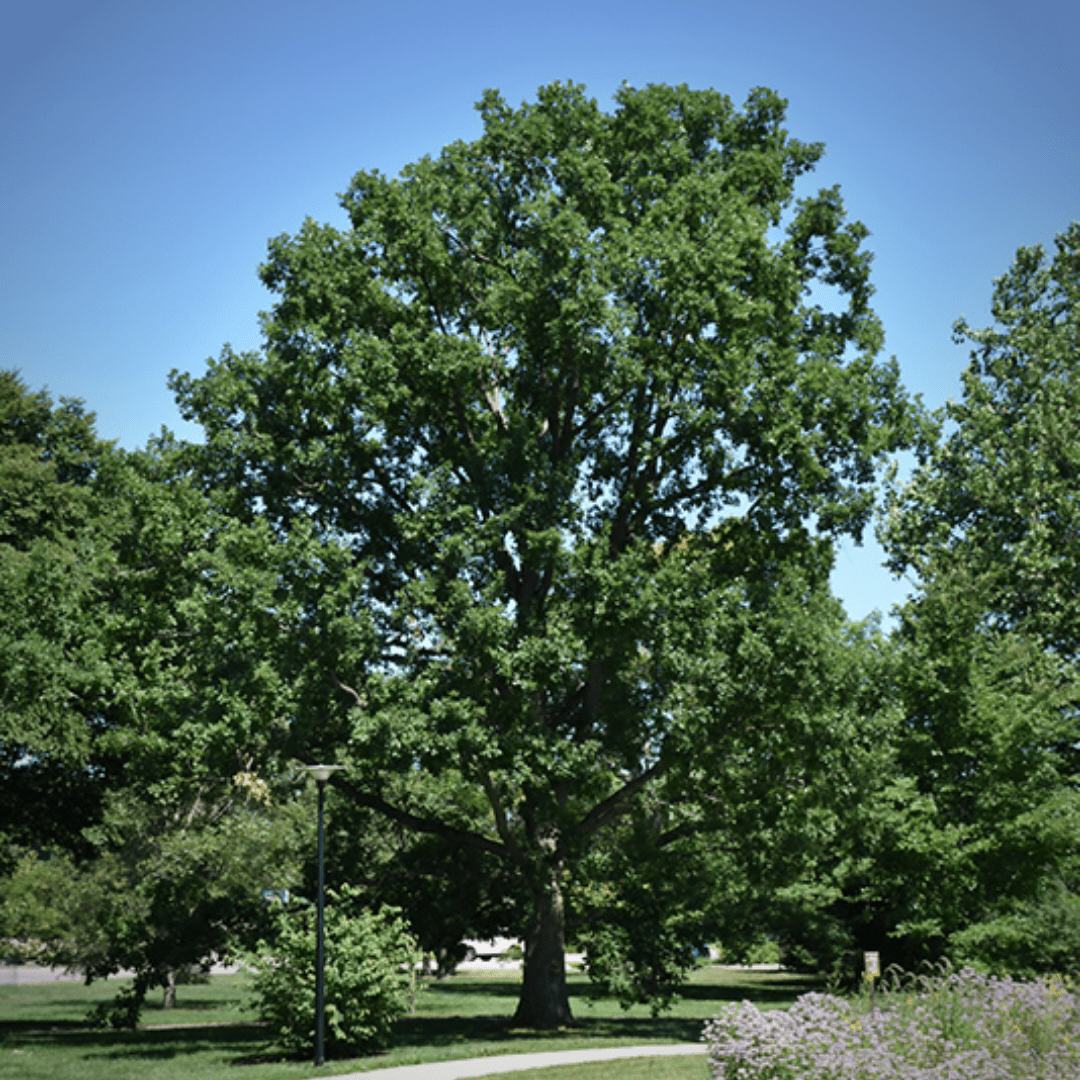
x,y
956,1025
369,967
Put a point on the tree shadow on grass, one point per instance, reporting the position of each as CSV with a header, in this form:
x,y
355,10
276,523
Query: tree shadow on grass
x,y
496,1028
14,1027
228,1040
187,1003
780,989
476,988
764,989
448,1031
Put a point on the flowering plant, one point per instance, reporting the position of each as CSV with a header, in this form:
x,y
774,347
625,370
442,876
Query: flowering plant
x,y
950,1026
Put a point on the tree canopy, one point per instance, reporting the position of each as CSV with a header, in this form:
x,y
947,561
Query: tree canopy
x,y
563,410
997,502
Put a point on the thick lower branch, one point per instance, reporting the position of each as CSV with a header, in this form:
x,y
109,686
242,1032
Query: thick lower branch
x,y
429,826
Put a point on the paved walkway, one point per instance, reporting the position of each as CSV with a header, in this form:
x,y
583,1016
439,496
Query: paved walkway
x,y
32,975
489,1066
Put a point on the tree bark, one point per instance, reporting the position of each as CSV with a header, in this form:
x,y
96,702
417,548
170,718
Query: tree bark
x,y
169,1001
544,1001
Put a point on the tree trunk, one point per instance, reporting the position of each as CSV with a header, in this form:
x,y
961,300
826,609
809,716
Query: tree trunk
x,y
170,990
544,1001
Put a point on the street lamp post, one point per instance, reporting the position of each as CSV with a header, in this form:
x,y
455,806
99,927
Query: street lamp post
x,y
321,773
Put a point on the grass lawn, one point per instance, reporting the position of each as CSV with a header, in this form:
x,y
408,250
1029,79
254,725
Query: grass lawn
x,y
675,1068
211,1035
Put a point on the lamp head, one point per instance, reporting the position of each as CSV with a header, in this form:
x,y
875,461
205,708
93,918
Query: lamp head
x,y
321,773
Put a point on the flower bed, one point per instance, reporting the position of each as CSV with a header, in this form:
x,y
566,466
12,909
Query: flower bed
x,y
958,1026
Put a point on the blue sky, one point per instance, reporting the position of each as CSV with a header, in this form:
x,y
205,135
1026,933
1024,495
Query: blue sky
x,y
148,151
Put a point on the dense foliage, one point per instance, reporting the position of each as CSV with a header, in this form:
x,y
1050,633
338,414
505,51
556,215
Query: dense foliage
x,y
54,535
965,844
127,681
995,509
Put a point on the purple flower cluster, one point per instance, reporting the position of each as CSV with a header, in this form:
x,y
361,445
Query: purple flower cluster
x,y
960,1026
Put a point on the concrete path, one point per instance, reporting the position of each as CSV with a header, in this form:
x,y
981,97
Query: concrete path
x,y
32,975
490,1066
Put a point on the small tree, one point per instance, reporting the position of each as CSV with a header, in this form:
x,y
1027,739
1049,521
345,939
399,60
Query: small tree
x,y
173,884
369,974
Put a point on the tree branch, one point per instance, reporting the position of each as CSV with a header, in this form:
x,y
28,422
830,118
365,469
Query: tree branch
x,y
358,698
499,810
685,829
429,826
617,804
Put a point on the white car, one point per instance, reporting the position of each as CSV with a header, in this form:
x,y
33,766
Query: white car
x,y
489,950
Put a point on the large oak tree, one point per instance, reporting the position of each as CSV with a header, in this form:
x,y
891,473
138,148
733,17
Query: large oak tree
x,y
570,397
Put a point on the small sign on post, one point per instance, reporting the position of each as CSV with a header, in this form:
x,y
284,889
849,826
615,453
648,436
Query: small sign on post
x,y
872,971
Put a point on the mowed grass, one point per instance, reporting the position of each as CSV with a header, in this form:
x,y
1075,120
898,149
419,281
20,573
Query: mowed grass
x,y
212,1033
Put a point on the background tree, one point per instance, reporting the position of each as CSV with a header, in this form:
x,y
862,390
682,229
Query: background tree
x,y
997,501
984,838
984,823
961,830
780,836
51,537
561,394
175,886
128,680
